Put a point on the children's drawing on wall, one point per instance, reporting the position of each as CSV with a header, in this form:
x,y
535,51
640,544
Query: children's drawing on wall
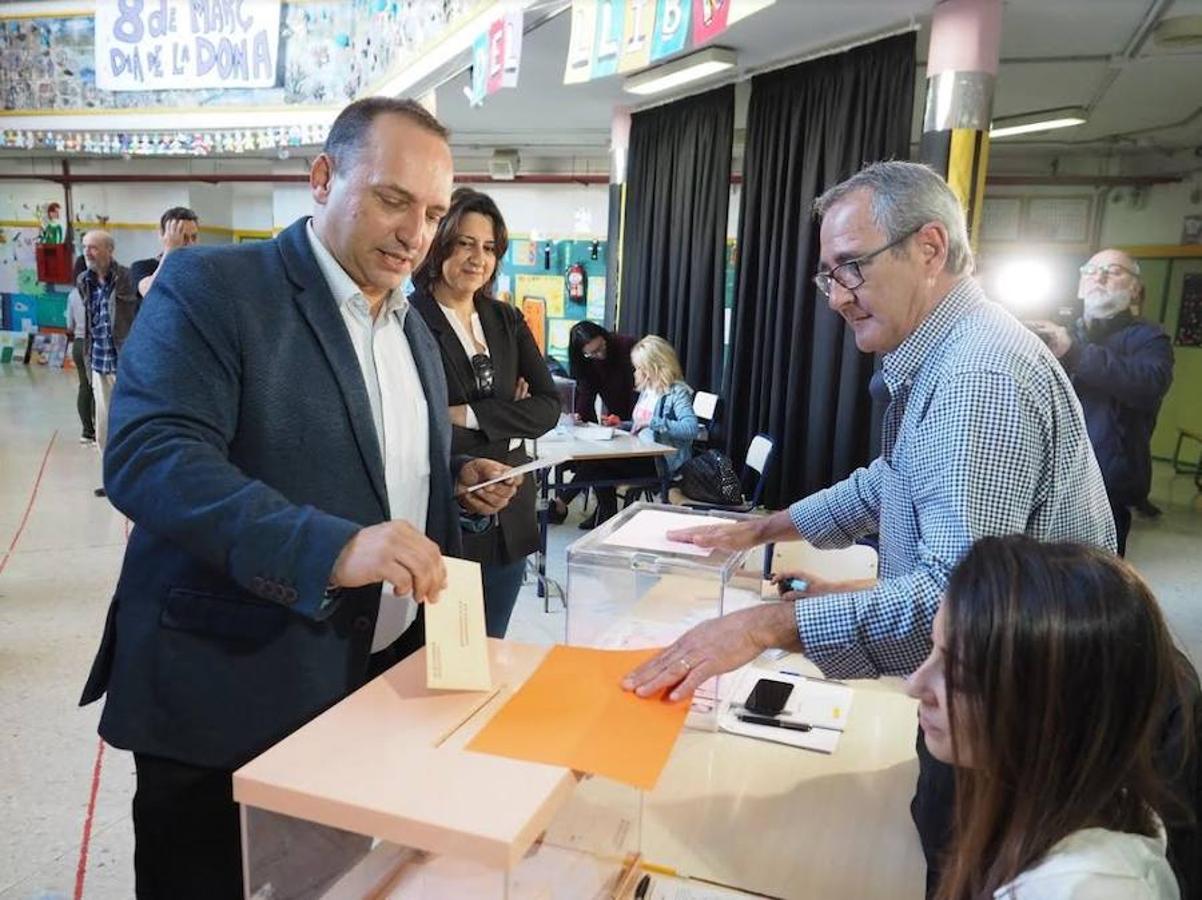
x,y
329,52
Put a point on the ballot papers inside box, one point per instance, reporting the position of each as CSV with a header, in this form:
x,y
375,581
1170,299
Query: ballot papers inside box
x,y
629,587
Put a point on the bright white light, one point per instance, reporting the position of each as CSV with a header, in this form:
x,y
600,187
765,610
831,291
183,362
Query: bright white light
x,y
695,66
1047,125
1024,286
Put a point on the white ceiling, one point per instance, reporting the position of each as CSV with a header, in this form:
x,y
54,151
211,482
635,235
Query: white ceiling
x,y
1054,53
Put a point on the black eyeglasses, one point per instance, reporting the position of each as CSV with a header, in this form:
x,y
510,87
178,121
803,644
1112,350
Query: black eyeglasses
x,y
1114,270
850,275
482,368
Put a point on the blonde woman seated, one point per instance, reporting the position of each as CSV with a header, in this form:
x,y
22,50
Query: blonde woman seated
x,y
1051,678
663,415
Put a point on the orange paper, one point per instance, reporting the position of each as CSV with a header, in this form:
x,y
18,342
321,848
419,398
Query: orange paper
x,y
573,712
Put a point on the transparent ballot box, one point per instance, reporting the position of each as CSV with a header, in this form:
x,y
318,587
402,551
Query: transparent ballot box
x,y
379,797
626,590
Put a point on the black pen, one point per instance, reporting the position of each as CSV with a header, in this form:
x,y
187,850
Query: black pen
x,y
774,723
641,891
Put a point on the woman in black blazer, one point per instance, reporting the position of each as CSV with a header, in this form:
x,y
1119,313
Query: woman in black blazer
x,y
499,387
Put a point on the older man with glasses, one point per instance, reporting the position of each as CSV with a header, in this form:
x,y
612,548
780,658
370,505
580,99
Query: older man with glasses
x,y
982,436
1122,367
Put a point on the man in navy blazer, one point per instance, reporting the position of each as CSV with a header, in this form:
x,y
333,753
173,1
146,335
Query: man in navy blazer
x,y
269,508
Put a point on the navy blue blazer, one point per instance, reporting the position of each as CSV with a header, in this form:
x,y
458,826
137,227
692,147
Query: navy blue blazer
x,y
242,446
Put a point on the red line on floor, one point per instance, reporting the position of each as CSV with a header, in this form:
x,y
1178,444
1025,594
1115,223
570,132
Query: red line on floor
x,y
81,870
29,506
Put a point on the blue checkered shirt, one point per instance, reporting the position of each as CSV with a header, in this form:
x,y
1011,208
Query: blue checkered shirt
x,y
104,351
983,435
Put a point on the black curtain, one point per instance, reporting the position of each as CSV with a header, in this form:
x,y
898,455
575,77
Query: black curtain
x,y
674,249
795,369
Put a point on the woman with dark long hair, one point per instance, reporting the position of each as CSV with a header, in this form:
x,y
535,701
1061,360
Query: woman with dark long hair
x,y
1048,687
499,389
599,361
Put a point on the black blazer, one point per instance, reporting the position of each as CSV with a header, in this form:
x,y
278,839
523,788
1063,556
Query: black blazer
x,y
514,354
241,444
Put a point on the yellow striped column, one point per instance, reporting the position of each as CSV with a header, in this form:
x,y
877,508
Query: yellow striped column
x,y
961,71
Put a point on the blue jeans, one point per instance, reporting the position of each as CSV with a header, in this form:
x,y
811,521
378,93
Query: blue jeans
x,y
502,581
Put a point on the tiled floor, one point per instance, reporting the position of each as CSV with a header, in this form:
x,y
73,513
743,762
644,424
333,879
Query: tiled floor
x,y
54,589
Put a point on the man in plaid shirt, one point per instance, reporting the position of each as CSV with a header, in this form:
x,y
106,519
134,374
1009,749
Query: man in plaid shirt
x,y
983,435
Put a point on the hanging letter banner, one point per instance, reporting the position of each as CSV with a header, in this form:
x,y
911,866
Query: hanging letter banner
x,y
610,36
149,45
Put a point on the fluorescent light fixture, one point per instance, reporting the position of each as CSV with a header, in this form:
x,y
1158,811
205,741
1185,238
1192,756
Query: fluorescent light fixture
x,y
1045,120
693,67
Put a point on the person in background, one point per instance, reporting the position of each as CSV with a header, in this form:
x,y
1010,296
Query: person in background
x,y
110,303
500,391
599,361
85,405
1057,792
663,415
1122,367
178,227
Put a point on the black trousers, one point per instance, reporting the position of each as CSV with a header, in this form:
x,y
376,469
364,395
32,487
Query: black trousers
x,y
1122,524
611,470
85,403
187,832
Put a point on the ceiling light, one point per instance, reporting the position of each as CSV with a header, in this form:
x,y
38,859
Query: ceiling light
x,y
1179,31
1045,120
693,67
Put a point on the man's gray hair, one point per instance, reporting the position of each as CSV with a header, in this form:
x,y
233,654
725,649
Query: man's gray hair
x,y
904,197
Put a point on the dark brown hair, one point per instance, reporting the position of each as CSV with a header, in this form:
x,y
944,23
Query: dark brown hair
x,y
464,201
1060,676
350,130
177,213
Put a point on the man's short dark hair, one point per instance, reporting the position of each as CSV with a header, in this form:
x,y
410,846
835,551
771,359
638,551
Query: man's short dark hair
x,y
349,132
177,214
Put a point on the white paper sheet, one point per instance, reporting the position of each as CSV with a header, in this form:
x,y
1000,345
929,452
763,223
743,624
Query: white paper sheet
x,y
649,531
543,462
821,704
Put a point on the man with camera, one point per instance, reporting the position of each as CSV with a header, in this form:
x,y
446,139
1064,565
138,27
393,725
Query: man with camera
x,y
1121,367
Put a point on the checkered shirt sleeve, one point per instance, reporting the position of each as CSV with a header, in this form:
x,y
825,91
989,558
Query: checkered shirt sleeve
x,y
976,468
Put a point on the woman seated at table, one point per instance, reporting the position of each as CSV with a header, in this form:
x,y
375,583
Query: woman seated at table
x,y
498,386
663,415
1049,683
599,361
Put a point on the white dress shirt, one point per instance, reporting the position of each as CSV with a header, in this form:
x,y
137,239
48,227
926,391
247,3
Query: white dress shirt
x,y
399,412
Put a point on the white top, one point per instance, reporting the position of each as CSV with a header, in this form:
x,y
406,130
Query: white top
x,y
472,342
644,409
1098,864
399,412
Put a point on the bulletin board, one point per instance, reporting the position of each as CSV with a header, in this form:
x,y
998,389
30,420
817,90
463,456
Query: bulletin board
x,y
329,53
528,272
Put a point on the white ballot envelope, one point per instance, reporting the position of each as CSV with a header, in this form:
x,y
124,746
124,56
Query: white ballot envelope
x,y
456,643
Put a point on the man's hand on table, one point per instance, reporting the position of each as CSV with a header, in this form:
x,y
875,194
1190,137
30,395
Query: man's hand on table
x,y
714,647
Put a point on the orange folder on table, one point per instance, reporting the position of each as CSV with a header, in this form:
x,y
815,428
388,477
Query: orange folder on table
x,y
573,712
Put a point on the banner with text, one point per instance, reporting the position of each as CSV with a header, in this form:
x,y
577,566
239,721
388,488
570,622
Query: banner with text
x,y
180,44
620,36
496,57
